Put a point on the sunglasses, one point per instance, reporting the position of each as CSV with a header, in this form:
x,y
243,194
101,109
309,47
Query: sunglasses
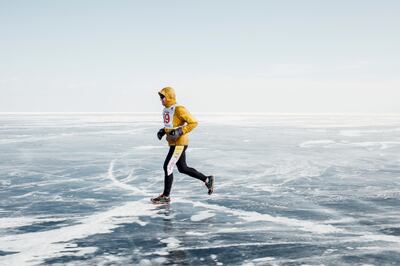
x,y
161,96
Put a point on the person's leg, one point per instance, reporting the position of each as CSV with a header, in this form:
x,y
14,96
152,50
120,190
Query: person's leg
x,y
184,169
172,158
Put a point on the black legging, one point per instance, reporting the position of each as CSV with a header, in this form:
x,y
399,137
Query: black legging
x,y
182,168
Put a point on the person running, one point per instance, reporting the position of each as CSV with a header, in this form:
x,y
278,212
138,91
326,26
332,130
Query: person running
x,y
178,122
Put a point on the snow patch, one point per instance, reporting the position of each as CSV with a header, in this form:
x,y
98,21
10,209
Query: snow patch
x,y
203,215
120,184
30,245
313,143
259,217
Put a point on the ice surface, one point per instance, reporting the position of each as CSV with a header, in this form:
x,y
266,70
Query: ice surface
x,y
203,215
290,190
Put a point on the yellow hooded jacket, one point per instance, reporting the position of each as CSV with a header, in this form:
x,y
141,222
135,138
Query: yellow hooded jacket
x,y
176,116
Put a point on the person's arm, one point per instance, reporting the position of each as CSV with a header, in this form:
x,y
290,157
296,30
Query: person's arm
x,y
191,122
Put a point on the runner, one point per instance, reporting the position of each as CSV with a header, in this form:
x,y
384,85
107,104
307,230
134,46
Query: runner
x,y
178,122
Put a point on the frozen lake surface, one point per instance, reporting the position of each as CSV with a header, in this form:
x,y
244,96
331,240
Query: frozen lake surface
x,y
290,190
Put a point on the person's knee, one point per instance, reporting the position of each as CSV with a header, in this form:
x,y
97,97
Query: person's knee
x,y
182,169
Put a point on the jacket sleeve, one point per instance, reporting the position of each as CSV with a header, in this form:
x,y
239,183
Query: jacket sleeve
x,y
191,122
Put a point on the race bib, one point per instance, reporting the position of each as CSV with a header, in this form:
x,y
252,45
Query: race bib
x,y
168,116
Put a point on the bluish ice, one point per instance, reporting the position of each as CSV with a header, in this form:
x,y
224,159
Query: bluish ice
x,y
290,190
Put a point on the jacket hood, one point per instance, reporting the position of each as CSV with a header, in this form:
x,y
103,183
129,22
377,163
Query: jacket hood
x,y
169,94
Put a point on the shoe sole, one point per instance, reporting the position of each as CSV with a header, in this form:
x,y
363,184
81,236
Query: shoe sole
x,y
159,202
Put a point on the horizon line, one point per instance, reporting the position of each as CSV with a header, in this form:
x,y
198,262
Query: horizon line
x,y
199,113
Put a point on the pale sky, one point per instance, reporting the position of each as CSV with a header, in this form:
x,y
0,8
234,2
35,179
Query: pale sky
x,y
317,56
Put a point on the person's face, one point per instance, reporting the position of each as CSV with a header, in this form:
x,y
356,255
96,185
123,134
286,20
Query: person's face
x,y
163,99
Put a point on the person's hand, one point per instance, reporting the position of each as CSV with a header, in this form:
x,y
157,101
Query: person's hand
x,y
160,133
176,133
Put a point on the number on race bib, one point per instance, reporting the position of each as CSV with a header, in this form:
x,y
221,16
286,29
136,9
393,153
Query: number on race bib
x,y
166,118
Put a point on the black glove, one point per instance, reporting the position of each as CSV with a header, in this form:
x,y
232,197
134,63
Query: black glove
x,y
160,133
176,133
